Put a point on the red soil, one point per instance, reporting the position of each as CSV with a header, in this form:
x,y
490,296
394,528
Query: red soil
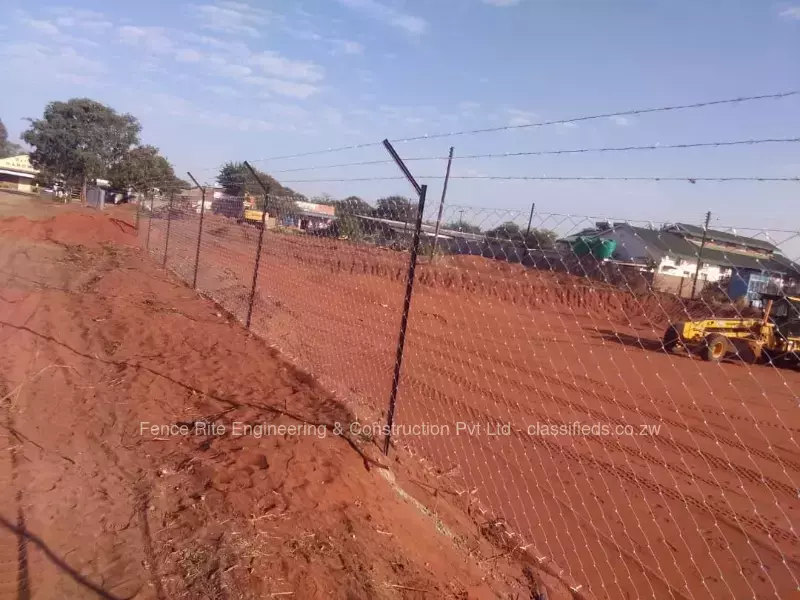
x,y
702,507
96,340
72,228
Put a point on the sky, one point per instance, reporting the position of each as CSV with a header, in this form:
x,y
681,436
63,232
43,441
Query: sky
x,y
217,80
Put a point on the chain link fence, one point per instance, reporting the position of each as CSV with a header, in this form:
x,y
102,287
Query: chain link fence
x,y
620,395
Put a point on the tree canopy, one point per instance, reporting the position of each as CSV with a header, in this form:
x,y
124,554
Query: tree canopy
x,y
353,205
142,169
7,148
236,180
80,139
463,226
396,208
537,238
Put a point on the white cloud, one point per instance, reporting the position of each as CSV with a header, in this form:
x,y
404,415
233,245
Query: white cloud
x,y
234,18
410,24
520,118
188,55
291,89
223,90
55,62
153,39
502,3
89,20
43,27
221,66
468,105
619,120
285,111
347,47
793,12
276,65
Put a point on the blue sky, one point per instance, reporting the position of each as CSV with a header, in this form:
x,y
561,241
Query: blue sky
x,y
218,80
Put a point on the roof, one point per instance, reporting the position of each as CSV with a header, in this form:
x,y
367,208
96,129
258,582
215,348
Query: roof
x,y
18,174
403,227
666,242
17,164
723,236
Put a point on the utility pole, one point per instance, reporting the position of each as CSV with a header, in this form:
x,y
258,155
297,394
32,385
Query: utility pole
x,y
461,220
700,253
528,230
441,203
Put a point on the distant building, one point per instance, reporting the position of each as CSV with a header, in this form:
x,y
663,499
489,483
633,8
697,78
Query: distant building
x,y
17,173
673,251
310,216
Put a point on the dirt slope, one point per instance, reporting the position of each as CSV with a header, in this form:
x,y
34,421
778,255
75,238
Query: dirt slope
x,y
95,341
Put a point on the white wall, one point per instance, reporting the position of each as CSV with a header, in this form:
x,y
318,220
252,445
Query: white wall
x,y
631,247
686,268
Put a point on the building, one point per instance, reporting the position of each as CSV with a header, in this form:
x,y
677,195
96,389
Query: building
x,y
671,253
17,174
310,216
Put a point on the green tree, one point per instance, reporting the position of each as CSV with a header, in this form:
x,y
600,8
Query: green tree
x,y
463,226
537,238
8,148
353,205
80,139
236,179
396,208
143,169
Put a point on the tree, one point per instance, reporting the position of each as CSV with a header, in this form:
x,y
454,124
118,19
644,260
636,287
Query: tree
x,y
353,205
396,208
463,226
8,148
507,231
143,168
537,238
80,139
236,179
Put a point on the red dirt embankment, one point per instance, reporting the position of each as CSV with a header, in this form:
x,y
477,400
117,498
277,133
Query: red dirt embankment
x,y
95,340
89,229
512,284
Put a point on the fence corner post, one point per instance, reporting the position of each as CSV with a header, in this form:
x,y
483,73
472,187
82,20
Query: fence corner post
x,y
401,340
258,246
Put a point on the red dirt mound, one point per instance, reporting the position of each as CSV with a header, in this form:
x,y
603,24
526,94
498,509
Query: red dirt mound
x,y
82,228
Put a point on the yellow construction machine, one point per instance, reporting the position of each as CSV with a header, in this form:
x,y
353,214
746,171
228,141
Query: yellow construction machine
x,y
774,337
251,212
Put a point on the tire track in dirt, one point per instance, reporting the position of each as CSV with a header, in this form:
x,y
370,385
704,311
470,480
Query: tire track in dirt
x,y
606,398
674,446
727,516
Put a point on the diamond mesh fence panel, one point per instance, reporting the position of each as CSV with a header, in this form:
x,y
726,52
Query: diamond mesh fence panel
x,y
620,396
548,370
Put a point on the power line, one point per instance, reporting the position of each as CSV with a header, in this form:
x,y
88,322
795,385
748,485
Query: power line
x,y
546,178
556,152
624,113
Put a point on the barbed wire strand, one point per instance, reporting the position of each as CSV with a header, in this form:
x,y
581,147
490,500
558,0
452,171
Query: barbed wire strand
x,y
547,178
623,113
718,144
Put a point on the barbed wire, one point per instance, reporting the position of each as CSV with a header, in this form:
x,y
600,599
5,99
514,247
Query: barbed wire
x,y
553,178
717,144
623,113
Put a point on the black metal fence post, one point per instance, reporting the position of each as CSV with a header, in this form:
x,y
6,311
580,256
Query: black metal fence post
x,y
150,222
136,217
258,247
199,230
401,340
169,223
412,267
